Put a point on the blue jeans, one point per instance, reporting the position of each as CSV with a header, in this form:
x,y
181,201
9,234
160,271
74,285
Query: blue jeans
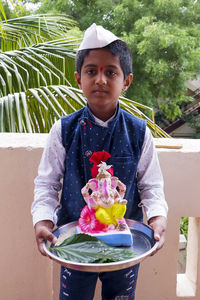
x,y
116,285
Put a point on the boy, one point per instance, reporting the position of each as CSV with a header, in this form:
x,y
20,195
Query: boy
x,y
103,71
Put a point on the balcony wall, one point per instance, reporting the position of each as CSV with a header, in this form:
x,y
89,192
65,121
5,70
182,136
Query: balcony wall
x,y
25,274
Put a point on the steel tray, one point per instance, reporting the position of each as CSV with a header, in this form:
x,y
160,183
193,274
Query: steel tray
x,y
144,245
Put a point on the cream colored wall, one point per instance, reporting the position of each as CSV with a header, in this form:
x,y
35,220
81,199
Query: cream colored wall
x,y
181,170
25,274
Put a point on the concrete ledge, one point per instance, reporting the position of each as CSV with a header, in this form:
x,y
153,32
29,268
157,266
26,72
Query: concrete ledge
x,y
23,140
37,140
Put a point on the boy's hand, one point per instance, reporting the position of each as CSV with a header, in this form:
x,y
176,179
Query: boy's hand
x,y
159,225
43,232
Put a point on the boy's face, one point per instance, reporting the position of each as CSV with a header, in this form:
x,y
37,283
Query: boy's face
x,y
102,81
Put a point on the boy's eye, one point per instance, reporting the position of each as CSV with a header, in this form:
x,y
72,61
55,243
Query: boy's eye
x,y
110,73
91,72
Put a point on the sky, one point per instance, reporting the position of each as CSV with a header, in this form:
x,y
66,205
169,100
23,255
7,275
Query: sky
x,y
29,5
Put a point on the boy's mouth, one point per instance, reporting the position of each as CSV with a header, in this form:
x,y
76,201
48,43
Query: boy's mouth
x,y
100,91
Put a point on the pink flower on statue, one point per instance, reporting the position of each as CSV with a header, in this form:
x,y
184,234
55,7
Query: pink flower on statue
x,y
88,223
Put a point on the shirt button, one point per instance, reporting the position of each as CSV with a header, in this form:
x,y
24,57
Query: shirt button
x,y
88,153
82,122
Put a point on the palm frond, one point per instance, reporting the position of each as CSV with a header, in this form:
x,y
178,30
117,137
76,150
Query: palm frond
x,y
38,108
134,108
49,63
2,12
33,29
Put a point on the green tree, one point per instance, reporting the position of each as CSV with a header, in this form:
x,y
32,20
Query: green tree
x,y
84,11
165,44
163,36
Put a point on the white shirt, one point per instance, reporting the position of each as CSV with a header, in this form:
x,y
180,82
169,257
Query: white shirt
x,y
52,167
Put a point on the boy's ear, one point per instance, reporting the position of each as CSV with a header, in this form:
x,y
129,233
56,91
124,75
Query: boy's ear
x,y
78,79
127,81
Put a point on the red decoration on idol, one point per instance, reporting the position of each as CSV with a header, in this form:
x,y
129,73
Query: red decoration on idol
x,y
97,158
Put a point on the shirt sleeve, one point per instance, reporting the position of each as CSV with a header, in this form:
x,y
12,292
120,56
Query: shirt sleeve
x,y
150,180
48,181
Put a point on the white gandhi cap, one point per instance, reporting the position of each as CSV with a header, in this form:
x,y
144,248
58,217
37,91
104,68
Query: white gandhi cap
x,y
97,37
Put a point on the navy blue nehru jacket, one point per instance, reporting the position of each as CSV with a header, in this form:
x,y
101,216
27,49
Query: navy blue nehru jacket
x,y
123,139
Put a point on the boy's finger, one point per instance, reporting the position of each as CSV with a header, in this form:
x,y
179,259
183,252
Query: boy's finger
x,y
45,235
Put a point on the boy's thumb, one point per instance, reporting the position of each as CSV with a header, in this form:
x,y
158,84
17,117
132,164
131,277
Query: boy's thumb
x,y
157,236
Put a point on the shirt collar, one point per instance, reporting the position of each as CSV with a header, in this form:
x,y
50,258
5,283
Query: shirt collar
x,y
100,122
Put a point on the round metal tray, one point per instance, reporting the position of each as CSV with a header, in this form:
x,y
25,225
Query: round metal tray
x,y
143,245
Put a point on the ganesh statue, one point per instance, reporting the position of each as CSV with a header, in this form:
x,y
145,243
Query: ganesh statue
x,y
103,214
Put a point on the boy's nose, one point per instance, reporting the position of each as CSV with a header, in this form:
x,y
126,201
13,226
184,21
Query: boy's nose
x,y
101,78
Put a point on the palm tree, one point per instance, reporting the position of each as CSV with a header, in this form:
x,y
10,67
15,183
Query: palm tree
x,y
37,83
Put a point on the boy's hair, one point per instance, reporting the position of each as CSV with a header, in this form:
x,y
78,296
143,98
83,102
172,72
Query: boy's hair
x,y
117,48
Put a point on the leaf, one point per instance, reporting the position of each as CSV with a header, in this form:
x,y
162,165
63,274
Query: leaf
x,y
32,29
2,11
51,102
84,248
